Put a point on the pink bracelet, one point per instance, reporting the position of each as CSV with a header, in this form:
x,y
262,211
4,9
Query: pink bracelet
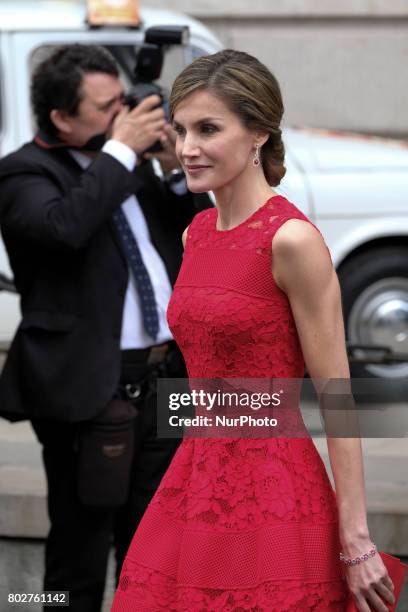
x,y
360,559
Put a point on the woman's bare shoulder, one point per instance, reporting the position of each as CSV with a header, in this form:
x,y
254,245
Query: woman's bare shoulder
x,y
184,236
299,255
294,235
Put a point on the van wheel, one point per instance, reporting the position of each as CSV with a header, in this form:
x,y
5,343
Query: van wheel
x,y
374,288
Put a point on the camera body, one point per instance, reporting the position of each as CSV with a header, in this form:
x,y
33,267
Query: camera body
x,y
148,68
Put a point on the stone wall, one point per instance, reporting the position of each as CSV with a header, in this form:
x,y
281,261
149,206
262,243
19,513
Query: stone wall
x,y
340,64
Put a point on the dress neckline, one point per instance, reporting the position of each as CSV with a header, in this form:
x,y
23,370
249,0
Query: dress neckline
x,y
250,218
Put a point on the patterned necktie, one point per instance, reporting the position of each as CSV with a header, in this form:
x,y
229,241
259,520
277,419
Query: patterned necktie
x,y
140,274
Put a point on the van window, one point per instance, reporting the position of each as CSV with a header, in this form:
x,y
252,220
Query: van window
x,y
175,59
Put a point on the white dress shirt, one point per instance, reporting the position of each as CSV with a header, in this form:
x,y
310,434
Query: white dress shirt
x,y
134,335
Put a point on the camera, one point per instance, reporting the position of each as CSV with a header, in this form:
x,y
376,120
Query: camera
x,y
149,65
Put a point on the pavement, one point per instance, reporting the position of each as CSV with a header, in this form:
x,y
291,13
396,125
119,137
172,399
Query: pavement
x,y
24,523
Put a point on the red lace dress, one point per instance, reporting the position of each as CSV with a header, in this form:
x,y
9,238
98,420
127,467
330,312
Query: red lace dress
x,y
236,524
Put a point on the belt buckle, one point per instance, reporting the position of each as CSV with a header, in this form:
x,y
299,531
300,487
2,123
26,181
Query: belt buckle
x,y
157,353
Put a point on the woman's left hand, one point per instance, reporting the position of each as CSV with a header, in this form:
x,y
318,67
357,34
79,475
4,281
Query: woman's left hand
x,y
370,585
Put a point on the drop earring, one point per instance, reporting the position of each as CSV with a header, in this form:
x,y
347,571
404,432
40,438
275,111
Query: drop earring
x,y
256,160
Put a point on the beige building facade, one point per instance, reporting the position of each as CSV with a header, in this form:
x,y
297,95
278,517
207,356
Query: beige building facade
x,y
341,64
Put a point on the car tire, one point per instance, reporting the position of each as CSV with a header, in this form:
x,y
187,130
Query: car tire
x,y
374,287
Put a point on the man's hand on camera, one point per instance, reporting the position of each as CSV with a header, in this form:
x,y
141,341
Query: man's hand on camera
x,y
140,127
167,157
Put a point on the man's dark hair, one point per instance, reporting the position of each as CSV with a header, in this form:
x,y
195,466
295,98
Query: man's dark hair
x,y
56,82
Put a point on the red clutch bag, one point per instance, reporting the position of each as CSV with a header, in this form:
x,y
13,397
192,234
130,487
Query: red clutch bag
x,y
396,571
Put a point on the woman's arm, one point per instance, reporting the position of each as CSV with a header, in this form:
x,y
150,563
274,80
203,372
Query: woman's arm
x,y
302,268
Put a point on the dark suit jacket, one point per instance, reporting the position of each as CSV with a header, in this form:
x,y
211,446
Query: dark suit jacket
x,y
64,362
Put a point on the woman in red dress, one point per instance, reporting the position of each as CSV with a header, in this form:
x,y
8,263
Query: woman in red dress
x,y
251,524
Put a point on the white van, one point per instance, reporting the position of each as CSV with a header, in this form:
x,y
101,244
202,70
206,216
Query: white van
x,y
354,188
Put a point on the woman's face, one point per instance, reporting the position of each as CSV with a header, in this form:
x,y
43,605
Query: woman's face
x,y
212,145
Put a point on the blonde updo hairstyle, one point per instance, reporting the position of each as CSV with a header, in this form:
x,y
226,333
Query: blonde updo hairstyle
x,y
249,90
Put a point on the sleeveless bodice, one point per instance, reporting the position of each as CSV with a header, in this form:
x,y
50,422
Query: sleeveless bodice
x,y
227,313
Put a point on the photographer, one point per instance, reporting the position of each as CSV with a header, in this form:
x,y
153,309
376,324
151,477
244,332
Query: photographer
x,y
94,241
